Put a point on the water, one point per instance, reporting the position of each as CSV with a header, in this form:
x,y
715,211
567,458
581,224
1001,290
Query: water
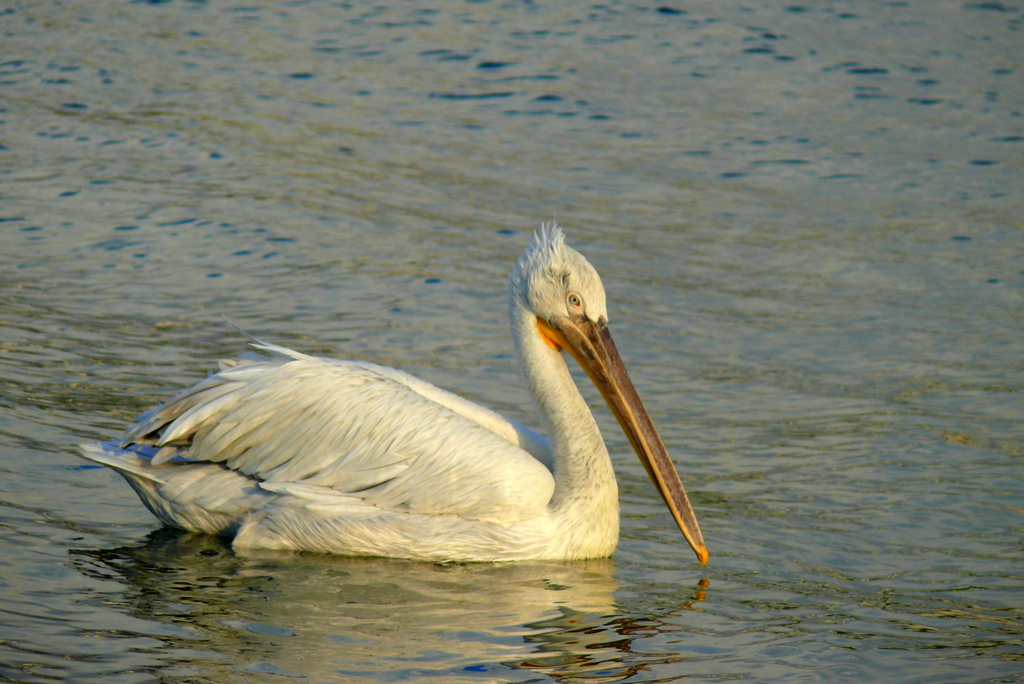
x,y
808,218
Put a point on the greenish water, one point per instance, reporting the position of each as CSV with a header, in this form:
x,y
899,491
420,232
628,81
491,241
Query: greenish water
x,y
808,219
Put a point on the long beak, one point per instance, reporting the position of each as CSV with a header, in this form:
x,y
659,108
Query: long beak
x,y
592,346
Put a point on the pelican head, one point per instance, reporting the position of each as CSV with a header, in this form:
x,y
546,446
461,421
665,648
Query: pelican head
x,y
549,271
560,288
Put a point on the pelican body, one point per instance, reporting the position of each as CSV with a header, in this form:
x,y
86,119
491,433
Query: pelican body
x,y
288,451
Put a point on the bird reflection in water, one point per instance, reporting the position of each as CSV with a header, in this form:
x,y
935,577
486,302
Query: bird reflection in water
x,y
326,617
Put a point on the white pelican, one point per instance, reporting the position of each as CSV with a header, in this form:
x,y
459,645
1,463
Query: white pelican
x,y
296,452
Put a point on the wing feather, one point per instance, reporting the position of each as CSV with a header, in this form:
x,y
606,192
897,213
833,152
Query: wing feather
x,y
294,419
511,430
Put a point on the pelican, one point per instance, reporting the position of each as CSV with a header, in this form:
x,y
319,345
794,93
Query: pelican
x,y
294,452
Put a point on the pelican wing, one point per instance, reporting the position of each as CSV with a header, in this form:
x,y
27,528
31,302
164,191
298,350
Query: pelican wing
x,y
357,429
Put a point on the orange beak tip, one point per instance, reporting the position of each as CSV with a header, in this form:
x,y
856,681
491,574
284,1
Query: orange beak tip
x,y
703,555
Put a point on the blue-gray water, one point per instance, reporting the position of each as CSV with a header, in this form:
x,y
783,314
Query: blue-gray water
x,y
809,220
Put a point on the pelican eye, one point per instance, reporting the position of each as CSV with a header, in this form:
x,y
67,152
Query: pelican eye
x,y
575,301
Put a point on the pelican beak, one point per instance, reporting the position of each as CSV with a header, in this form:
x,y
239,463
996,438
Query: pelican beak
x,y
591,345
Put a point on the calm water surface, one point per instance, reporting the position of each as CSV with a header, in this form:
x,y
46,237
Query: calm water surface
x,y
808,216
